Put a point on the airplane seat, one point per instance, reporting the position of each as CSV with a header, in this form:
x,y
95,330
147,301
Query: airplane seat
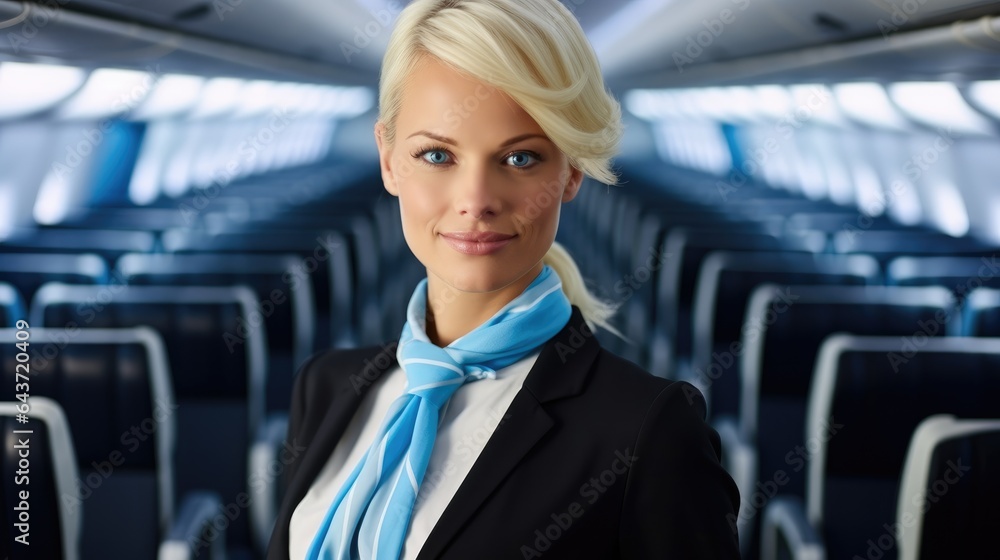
x,y
28,271
604,226
284,300
831,222
342,324
108,244
407,273
11,305
627,222
868,396
51,531
786,330
725,281
621,270
650,320
153,220
327,257
947,495
367,281
218,364
959,274
112,388
886,245
637,288
684,250
981,314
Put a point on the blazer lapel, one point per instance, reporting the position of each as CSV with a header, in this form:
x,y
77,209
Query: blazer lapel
x,y
560,371
344,403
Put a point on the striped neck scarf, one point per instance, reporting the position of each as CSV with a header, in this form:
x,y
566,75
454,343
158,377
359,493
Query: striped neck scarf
x,y
370,516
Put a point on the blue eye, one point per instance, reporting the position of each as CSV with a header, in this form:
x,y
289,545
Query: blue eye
x,y
521,159
436,157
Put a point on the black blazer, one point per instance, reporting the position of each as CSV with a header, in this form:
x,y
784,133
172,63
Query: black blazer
x,y
595,458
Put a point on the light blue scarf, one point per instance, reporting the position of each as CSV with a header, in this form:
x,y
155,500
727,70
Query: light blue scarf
x,y
370,515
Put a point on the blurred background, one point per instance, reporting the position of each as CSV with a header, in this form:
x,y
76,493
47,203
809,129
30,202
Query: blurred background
x,y
805,228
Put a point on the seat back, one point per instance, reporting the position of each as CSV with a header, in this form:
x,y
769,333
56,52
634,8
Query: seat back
x,y
725,283
28,271
327,258
218,366
11,305
981,314
948,493
868,396
962,275
36,525
684,250
886,245
109,244
285,301
114,388
366,257
787,325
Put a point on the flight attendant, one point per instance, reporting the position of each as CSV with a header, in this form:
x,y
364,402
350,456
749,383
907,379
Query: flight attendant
x,y
497,426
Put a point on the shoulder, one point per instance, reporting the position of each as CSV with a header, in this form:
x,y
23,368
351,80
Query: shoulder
x,y
326,371
634,388
678,498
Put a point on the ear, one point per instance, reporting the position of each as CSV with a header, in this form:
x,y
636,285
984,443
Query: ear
x,y
573,183
385,160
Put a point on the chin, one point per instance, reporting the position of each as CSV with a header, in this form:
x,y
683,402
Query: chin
x,y
478,277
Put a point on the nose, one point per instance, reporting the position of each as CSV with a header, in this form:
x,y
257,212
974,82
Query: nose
x,y
476,194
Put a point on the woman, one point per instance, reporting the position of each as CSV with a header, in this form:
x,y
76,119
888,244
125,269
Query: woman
x,y
497,427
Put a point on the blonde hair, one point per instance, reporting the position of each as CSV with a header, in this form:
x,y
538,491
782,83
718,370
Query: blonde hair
x,y
535,52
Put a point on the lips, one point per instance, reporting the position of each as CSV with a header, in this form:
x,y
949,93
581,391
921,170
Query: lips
x,y
477,242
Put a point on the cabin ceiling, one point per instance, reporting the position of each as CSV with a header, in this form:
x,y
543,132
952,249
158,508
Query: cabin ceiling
x,y
640,42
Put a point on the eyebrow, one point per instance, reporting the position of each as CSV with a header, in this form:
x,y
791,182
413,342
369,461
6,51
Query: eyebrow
x,y
446,140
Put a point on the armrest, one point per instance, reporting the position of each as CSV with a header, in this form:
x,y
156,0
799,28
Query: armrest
x,y
739,458
193,533
264,468
785,527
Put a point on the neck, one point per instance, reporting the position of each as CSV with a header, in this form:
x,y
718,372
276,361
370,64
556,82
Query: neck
x,y
451,313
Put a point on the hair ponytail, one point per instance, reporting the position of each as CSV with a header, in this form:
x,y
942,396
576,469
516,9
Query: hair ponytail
x,y
596,312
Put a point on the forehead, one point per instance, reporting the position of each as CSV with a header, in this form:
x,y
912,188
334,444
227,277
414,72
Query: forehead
x,y
442,100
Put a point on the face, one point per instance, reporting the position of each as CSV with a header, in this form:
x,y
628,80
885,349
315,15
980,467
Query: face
x,y
479,184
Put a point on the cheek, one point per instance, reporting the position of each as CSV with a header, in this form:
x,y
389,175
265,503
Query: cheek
x,y
539,213
419,208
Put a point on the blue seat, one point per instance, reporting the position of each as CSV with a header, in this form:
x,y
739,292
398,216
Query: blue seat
x,y
215,341
786,326
28,271
49,531
109,244
725,281
981,314
839,220
326,256
962,275
11,305
112,385
869,394
286,301
685,249
354,280
127,219
948,495
886,245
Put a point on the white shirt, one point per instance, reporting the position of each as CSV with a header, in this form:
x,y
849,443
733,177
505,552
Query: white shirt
x,y
468,420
